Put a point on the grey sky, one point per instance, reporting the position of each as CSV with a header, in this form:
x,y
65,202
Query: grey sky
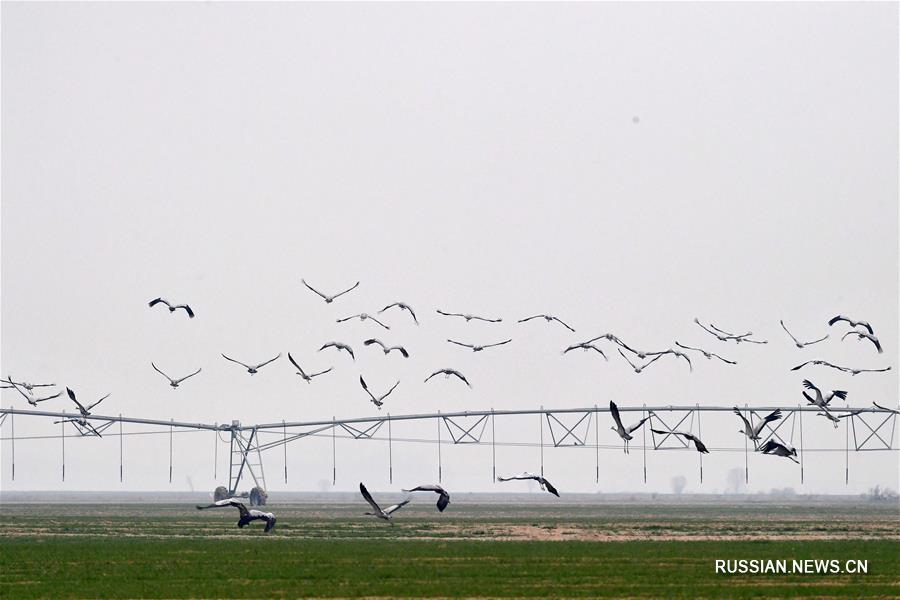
x,y
479,158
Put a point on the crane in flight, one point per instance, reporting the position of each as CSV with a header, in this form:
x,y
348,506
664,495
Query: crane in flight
x,y
447,373
825,363
443,496
385,348
708,355
339,346
468,317
584,347
479,348
173,383
797,342
545,485
852,323
329,299
246,515
172,307
306,377
23,384
377,401
624,432
253,369
401,306
363,317
774,448
29,396
386,513
699,445
548,319
753,431
864,335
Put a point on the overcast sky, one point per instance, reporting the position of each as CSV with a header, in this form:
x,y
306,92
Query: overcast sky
x,y
627,167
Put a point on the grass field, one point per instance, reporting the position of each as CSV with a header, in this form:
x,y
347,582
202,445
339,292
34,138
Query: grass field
x,y
57,551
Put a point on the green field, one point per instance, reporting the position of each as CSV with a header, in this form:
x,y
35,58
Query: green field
x,y
166,551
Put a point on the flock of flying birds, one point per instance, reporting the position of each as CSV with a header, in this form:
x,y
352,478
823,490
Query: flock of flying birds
x,y
639,360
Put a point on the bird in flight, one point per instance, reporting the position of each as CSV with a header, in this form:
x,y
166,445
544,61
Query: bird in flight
x,y
85,411
821,400
385,348
852,323
443,496
384,514
479,348
173,382
676,354
753,431
173,307
329,299
545,485
246,516
447,373
639,368
380,399
825,363
468,317
24,384
864,335
29,395
700,446
307,378
339,346
584,347
253,369
363,317
774,448
797,342
708,355
725,336
549,319
401,306
624,432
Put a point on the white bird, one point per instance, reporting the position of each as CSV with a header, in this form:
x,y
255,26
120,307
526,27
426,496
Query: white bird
x,y
753,431
863,335
639,368
380,399
363,317
447,373
173,307
825,363
253,369
329,299
468,317
708,355
852,323
624,432
29,396
545,485
173,382
379,512
246,516
821,400
797,342
339,346
549,319
385,348
443,496
774,448
479,348
302,373
401,306
700,446
585,346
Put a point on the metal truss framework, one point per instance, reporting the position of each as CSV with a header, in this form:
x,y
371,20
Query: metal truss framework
x,y
873,429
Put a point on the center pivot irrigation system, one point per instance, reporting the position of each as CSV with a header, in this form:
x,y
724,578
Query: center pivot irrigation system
x,y
872,429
